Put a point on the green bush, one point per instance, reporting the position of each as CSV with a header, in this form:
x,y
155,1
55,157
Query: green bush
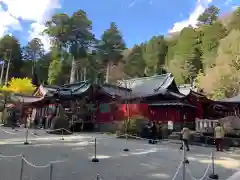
x,y
132,126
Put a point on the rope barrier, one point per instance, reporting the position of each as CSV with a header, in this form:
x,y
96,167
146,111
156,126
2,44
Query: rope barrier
x,y
153,141
205,173
203,177
3,156
178,169
29,163
33,165
50,165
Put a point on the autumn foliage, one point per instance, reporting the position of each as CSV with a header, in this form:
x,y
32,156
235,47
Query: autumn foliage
x,y
20,85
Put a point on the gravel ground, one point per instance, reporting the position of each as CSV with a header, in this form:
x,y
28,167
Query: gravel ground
x,y
73,156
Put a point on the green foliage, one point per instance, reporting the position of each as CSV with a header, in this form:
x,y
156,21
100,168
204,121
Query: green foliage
x,y
207,55
187,56
55,68
211,35
10,49
135,64
223,80
209,16
154,54
111,45
235,20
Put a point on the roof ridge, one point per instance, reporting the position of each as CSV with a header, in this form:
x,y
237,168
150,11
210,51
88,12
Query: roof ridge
x,y
145,78
163,82
76,83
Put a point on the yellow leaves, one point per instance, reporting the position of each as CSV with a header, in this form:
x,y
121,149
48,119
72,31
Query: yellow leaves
x,y
19,85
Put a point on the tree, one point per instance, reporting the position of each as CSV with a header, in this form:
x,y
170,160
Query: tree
x,y
193,64
235,20
229,51
33,52
155,54
134,63
187,56
171,43
110,48
81,40
223,80
42,67
20,85
72,34
55,68
10,51
211,35
209,16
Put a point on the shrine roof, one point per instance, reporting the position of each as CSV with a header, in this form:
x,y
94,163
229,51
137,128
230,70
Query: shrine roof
x,y
167,103
150,85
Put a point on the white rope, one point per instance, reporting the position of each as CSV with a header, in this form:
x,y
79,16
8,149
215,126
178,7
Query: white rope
x,y
32,165
8,132
66,130
203,177
205,173
52,130
175,175
136,137
3,156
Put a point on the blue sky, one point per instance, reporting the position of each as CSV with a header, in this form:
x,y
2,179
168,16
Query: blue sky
x,y
138,20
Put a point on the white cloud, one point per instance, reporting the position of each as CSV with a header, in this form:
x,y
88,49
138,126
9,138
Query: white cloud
x,y
235,7
36,11
227,2
201,5
132,4
7,22
36,30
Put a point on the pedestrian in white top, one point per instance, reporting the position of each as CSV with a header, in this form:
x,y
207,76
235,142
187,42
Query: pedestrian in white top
x,y
185,137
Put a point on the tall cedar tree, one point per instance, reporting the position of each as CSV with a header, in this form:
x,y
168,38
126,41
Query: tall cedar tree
x,y
110,49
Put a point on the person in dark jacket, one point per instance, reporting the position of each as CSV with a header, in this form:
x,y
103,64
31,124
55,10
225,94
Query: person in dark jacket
x,y
153,133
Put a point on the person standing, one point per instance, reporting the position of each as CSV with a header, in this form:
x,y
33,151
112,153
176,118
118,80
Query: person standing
x,y
219,136
153,133
185,137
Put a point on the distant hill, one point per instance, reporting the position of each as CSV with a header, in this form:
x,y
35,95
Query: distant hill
x,y
117,72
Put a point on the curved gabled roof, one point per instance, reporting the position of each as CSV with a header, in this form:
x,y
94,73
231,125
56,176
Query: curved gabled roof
x,y
150,85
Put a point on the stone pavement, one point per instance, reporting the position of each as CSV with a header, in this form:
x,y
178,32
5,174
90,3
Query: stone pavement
x,y
74,154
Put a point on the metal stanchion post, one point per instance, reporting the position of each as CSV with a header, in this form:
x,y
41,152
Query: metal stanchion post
x,y
62,134
213,175
98,177
95,159
35,129
184,162
22,167
126,139
73,125
51,172
26,137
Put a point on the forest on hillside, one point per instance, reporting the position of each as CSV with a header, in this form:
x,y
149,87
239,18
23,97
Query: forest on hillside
x,y
208,56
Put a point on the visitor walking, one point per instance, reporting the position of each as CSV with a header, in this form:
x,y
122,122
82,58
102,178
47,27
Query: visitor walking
x,y
185,137
219,136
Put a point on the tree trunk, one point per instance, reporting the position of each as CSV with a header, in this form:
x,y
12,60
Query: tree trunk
x,y
6,77
107,73
2,72
77,75
33,67
85,74
73,71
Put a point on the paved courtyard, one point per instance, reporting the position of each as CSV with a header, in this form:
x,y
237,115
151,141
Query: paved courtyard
x,y
71,158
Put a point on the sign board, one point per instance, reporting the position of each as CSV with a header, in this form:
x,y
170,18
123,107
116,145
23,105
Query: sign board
x,y
170,125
